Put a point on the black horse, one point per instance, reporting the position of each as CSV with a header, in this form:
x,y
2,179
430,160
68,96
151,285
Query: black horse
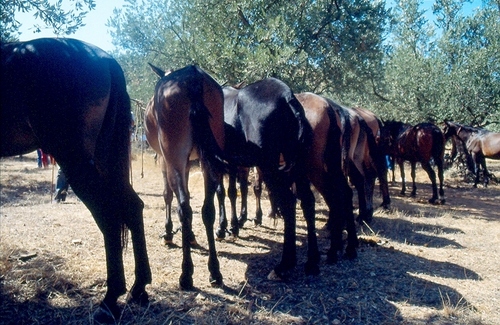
x,y
266,127
419,143
69,98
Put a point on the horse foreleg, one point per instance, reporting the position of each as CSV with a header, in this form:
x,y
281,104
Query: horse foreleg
x,y
208,215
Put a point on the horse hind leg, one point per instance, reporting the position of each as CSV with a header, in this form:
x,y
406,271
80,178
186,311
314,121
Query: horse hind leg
x,y
440,166
168,196
243,179
307,203
403,181
208,215
413,177
432,176
486,174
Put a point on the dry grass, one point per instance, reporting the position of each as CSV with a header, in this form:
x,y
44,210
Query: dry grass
x,y
417,264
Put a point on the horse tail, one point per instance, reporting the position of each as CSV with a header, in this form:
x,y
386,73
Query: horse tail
x,y
375,151
346,135
209,151
305,133
334,158
118,120
438,144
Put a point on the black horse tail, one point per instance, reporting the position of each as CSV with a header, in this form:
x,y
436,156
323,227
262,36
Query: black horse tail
x,y
346,134
209,151
334,158
438,144
117,146
375,151
378,157
296,142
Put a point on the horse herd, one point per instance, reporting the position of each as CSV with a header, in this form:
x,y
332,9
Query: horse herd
x,y
69,98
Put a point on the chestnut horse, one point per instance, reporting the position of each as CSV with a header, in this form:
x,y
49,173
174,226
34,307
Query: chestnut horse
x,y
186,118
480,144
419,143
69,98
366,160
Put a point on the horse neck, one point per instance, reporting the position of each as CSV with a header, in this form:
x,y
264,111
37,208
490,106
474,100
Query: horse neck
x,y
465,135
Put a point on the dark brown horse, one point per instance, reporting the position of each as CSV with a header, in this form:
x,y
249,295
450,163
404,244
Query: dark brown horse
x,y
419,143
69,98
186,118
480,144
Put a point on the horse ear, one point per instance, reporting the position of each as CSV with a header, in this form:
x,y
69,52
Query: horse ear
x,y
157,70
240,85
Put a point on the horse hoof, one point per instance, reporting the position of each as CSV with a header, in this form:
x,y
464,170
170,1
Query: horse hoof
x,y
241,222
350,253
443,201
273,276
186,284
311,269
332,258
220,234
141,299
216,281
257,222
103,315
432,201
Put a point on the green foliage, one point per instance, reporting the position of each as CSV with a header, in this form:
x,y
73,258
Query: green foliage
x,y
63,19
332,47
452,74
399,62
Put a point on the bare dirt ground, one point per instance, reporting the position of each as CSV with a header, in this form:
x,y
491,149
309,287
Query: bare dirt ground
x,y
417,264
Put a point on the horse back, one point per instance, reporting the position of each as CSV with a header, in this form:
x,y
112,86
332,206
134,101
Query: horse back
x,y
490,144
271,122
429,140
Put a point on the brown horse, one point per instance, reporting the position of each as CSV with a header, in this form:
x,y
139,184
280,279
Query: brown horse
x,y
186,117
480,144
366,160
419,143
69,98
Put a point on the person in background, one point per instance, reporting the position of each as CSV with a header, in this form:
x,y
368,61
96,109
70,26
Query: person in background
x,y
43,159
62,186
